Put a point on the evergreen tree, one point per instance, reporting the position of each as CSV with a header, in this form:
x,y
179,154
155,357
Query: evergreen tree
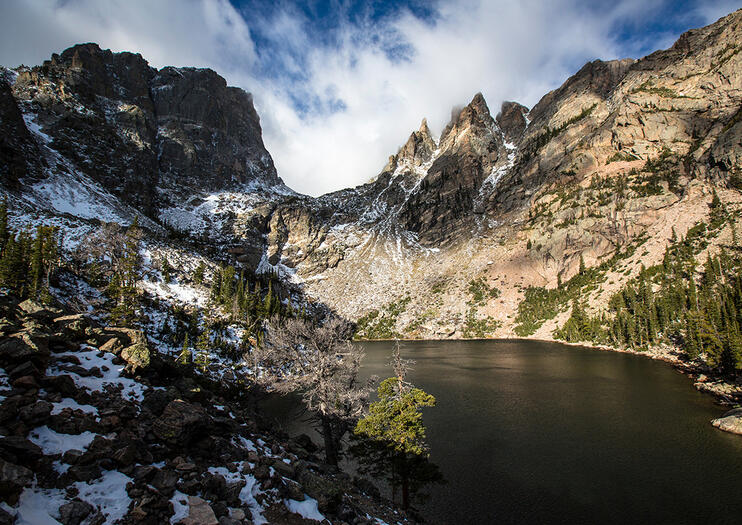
x,y
185,354
198,273
394,424
37,263
166,270
216,285
123,288
226,291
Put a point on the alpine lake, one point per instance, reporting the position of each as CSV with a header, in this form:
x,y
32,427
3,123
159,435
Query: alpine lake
x,y
537,432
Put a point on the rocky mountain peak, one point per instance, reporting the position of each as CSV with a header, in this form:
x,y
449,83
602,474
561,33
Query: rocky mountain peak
x,y
512,120
473,119
90,71
419,147
176,132
597,78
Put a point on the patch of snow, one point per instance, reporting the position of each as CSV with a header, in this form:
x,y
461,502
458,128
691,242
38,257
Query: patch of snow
x,y
38,506
246,443
60,467
280,269
68,402
181,293
248,492
34,128
180,506
307,509
108,494
52,442
111,373
4,383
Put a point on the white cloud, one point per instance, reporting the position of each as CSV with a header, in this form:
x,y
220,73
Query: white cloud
x,y
506,50
712,11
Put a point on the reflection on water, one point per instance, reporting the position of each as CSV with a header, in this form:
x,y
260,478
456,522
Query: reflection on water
x,y
532,432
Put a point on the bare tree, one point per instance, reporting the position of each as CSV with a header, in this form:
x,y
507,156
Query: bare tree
x,y
319,362
401,368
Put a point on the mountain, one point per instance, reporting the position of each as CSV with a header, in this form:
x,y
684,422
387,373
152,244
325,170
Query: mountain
x,y
624,152
449,236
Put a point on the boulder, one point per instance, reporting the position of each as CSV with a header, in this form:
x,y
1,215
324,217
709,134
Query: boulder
x,y
6,518
24,346
199,513
165,481
327,491
136,356
113,345
283,469
128,343
730,422
24,369
63,384
74,512
12,480
39,311
72,325
84,472
180,423
35,414
19,449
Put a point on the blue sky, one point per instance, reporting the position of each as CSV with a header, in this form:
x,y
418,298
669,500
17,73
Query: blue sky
x,y
339,85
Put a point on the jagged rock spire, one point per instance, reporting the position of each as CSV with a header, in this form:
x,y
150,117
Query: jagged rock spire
x,y
419,147
474,117
512,120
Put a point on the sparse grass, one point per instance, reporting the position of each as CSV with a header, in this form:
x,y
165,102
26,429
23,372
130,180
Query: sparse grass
x,y
621,156
381,324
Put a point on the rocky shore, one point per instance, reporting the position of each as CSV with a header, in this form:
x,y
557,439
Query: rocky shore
x,y
97,428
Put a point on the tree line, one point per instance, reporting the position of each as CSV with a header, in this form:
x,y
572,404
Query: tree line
x,y
28,258
676,302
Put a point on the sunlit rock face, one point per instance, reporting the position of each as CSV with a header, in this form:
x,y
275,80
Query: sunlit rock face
x,y
515,200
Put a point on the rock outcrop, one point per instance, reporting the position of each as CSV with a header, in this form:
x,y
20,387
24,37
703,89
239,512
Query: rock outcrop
x,y
85,440
176,132
730,422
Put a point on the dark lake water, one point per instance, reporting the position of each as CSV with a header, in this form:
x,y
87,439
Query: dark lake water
x,y
533,432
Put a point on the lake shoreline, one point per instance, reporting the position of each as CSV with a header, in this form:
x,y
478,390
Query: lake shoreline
x,y
704,379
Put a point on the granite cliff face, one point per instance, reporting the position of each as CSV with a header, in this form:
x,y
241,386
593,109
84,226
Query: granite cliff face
x,y
151,138
623,151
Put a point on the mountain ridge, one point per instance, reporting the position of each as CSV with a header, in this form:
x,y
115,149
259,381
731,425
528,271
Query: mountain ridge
x,y
438,212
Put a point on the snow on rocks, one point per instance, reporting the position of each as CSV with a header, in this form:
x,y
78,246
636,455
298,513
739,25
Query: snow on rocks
x,y
172,453
108,494
307,509
109,375
248,491
72,404
38,506
52,442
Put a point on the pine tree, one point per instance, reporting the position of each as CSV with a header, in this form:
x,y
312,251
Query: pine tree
x,y
216,285
226,291
185,354
268,301
123,289
203,346
198,273
395,423
37,263
166,270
